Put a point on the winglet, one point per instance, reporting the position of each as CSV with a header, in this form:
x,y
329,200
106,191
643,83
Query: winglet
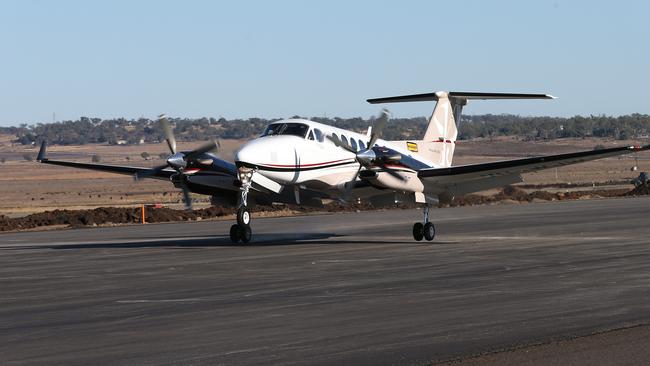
x,y
41,153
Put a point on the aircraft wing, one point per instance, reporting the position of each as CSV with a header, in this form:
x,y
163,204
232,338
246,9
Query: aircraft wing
x,y
476,177
127,170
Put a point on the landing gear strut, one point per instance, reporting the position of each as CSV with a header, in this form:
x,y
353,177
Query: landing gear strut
x,y
425,229
241,231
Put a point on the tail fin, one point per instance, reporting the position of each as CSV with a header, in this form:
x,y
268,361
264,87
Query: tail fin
x,y
439,140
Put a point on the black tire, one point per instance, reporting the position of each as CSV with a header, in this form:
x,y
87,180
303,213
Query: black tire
x,y
418,231
243,216
429,231
234,233
245,234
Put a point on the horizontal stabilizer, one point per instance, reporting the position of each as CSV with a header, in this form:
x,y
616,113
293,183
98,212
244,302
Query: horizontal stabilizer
x,y
461,95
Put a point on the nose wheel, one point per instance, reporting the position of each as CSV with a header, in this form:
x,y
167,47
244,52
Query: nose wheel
x,y
243,216
241,231
425,230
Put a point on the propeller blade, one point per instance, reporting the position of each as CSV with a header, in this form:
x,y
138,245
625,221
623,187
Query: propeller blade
x,y
378,127
186,194
169,134
149,173
349,185
341,144
201,150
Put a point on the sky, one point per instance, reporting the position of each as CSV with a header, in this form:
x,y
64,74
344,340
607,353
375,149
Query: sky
x,y
273,59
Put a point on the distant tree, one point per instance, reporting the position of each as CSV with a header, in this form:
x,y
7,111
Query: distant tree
x,y
28,156
599,147
145,155
163,155
95,158
3,160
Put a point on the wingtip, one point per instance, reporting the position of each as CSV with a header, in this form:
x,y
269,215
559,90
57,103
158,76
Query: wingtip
x,y
41,153
640,147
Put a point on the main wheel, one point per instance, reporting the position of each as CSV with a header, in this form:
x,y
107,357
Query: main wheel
x,y
243,216
234,233
418,231
429,231
245,234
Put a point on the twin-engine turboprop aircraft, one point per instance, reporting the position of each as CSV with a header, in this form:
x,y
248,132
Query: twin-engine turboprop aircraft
x,y
303,162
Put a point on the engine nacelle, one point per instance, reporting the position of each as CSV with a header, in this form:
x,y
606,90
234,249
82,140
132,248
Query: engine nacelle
x,y
409,181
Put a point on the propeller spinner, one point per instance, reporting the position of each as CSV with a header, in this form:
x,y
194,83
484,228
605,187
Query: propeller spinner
x,y
371,155
178,160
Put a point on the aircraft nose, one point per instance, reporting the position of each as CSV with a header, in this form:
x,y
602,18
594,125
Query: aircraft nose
x,y
248,154
267,151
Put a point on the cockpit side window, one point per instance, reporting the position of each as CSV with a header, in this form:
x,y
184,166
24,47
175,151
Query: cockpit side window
x,y
319,135
272,129
310,136
295,129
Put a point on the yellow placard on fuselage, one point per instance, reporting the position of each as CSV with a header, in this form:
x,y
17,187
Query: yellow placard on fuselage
x,y
412,146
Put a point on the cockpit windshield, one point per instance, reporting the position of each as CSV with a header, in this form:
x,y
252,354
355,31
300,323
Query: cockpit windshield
x,y
296,129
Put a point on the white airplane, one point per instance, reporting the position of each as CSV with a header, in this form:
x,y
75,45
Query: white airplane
x,y
303,162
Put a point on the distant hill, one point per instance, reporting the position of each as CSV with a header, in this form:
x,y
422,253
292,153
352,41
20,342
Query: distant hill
x,y
123,131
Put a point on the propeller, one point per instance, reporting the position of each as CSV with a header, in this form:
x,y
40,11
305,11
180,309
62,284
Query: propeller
x,y
369,156
178,160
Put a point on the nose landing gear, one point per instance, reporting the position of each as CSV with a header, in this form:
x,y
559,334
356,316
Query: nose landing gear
x,y
241,231
425,230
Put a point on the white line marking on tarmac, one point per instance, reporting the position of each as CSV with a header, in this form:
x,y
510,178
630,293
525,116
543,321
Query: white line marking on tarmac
x,y
545,238
158,301
244,350
349,260
130,241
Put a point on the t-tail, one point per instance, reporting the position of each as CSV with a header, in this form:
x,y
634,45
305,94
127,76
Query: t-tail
x,y
439,141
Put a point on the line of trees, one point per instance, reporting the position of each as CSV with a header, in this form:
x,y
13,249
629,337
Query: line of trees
x,y
123,131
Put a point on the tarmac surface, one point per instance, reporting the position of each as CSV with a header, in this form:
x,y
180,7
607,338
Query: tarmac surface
x,y
338,289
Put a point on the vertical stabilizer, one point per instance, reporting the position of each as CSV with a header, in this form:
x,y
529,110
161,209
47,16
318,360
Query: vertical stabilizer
x,y
439,139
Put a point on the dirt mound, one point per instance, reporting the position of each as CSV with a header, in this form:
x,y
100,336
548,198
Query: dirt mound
x,y
107,215
641,190
514,194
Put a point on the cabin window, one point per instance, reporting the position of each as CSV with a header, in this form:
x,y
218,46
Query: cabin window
x,y
353,142
334,136
295,129
362,146
344,139
319,135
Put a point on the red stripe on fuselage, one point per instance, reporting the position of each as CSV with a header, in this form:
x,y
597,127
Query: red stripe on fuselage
x,y
302,165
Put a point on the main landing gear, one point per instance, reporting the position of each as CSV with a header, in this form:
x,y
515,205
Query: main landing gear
x,y
425,230
241,231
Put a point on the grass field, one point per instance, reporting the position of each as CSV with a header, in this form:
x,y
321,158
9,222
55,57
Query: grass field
x,y
27,187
